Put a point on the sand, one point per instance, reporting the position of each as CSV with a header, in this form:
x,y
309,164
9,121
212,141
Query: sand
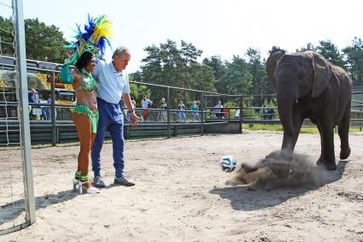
x,y
180,195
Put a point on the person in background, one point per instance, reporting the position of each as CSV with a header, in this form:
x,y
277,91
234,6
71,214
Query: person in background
x,y
133,103
33,97
217,110
145,105
195,111
163,113
181,113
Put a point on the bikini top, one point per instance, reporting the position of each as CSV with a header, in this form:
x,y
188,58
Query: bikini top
x,y
87,83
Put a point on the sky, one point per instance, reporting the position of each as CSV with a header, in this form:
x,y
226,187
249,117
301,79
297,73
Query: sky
x,y
217,27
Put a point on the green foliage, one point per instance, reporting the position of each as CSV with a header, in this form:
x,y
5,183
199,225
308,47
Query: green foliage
x,y
7,39
309,46
138,91
219,71
330,52
239,78
260,82
354,59
42,42
168,64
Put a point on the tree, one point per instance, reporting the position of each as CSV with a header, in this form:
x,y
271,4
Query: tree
x,y
260,82
202,77
354,59
44,42
274,49
7,39
168,64
238,76
219,72
330,52
309,46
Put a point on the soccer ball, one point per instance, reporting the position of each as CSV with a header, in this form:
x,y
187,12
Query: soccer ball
x,y
228,163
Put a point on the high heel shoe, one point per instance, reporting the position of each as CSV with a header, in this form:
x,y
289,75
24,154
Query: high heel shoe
x,y
75,184
83,188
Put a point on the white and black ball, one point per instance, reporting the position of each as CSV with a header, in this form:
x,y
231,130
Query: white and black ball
x,y
228,163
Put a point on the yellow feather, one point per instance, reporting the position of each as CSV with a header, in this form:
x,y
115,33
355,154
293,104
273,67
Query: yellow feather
x,y
102,29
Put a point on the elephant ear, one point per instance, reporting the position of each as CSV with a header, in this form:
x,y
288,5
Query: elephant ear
x,y
271,63
322,74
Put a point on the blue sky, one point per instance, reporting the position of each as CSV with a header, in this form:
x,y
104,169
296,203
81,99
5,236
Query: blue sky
x,y
217,27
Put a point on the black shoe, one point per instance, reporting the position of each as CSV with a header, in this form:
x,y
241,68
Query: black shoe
x,y
123,182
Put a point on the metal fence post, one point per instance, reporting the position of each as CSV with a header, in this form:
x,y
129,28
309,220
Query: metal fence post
x,y
240,114
168,109
202,113
53,110
24,121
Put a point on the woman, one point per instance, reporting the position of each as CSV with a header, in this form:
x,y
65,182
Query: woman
x,y
85,114
181,113
163,113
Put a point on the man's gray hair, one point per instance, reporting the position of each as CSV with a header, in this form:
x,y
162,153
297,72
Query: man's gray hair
x,y
120,51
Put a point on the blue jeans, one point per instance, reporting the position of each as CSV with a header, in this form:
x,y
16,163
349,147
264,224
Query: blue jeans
x,y
110,119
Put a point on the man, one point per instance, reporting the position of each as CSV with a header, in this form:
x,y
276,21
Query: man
x,y
114,84
33,97
218,110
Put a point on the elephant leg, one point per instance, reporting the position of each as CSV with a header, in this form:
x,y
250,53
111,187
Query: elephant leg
x,y
343,131
321,158
327,136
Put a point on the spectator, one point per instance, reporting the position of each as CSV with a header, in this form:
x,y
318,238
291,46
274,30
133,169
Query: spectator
x,y
35,111
271,113
46,110
163,113
218,110
226,112
181,113
33,96
145,105
195,111
237,114
133,103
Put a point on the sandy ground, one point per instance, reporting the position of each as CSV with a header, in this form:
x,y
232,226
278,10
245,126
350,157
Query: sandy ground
x,y
180,195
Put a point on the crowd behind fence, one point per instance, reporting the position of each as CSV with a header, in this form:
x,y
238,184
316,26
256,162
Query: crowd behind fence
x,y
51,103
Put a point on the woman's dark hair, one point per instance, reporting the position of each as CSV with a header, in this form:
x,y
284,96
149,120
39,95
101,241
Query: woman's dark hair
x,y
84,60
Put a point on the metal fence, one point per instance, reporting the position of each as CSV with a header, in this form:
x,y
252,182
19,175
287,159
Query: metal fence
x,y
50,116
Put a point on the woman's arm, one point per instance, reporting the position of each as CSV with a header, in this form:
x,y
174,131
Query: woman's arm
x,y
66,76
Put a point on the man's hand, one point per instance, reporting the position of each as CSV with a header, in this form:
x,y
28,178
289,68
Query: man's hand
x,y
134,119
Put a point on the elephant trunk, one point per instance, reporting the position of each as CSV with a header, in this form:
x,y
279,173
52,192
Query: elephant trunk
x,y
285,106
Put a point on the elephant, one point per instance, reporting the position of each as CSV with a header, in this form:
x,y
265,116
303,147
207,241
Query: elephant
x,y
309,86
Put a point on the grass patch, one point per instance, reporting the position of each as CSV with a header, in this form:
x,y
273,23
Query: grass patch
x,y
278,127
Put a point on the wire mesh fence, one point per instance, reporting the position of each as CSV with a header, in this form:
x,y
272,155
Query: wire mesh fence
x,y
16,197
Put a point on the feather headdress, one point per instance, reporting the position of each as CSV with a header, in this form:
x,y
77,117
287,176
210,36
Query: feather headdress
x,y
95,37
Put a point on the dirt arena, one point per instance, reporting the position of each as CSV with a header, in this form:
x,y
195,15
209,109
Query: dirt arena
x,y
180,195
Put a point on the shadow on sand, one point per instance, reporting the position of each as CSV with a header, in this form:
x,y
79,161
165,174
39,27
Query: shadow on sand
x,y
247,199
10,211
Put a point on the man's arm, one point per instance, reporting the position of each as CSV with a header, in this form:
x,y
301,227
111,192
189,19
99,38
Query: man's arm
x,y
127,100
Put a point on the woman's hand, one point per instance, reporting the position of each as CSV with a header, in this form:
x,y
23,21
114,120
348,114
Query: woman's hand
x,y
69,54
